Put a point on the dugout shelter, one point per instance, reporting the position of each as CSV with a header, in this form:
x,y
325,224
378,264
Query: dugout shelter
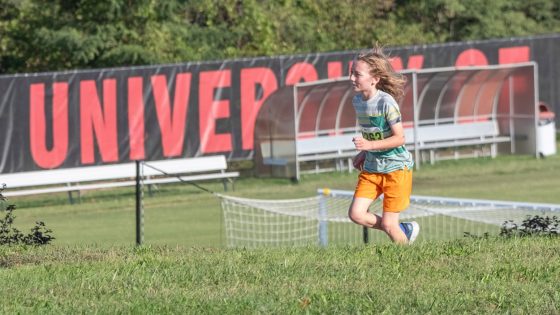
x,y
312,123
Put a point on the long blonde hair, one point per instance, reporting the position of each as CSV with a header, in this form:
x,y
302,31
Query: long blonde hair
x,y
390,81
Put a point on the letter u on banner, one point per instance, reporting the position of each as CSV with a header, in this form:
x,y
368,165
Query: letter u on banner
x,y
43,156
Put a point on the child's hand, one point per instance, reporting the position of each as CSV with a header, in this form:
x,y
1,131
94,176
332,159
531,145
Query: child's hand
x,y
360,143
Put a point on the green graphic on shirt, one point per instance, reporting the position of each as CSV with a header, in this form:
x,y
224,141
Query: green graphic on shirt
x,y
378,121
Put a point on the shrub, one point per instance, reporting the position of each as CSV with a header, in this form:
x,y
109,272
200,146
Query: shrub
x,y
532,225
40,234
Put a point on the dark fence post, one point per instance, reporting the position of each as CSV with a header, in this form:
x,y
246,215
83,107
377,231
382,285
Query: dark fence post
x,y
139,208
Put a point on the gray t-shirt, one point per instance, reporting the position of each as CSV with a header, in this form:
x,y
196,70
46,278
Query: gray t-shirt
x,y
375,117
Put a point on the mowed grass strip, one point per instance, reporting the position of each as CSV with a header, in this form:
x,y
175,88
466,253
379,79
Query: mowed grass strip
x,y
475,276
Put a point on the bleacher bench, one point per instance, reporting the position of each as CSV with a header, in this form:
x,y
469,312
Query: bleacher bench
x,y
430,138
435,137
116,175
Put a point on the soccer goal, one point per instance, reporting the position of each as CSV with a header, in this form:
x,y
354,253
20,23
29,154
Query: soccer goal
x,y
323,219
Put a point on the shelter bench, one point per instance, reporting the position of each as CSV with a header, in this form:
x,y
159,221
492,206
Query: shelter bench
x,y
117,175
433,137
430,138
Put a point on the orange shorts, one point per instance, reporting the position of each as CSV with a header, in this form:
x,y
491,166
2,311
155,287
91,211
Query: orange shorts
x,y
395,186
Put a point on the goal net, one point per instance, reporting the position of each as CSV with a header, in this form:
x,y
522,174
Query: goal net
x,y
323,219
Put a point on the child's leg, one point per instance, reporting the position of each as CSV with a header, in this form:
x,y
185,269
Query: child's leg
x,y
367,190
390,224
397,188
358,213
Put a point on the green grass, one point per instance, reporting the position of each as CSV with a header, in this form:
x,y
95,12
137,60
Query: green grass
x,y
180,214
93,267
468,276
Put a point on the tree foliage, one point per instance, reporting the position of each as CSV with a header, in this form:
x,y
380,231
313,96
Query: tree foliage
x,y
48,35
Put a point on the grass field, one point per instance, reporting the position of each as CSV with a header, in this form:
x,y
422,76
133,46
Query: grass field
x,y
93,267
492,276
183,215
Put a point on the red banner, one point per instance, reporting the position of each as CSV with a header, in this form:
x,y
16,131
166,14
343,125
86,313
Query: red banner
x,y
78,118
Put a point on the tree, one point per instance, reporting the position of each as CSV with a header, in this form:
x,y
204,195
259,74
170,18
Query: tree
x,y
49,35
59,34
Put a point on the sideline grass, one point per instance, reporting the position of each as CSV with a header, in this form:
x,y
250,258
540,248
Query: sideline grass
x,y
473,276
182,215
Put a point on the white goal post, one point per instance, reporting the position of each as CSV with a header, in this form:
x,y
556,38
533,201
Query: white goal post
x,y
323,220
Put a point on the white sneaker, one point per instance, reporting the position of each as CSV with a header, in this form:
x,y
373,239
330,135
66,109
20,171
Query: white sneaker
x,y
411,230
